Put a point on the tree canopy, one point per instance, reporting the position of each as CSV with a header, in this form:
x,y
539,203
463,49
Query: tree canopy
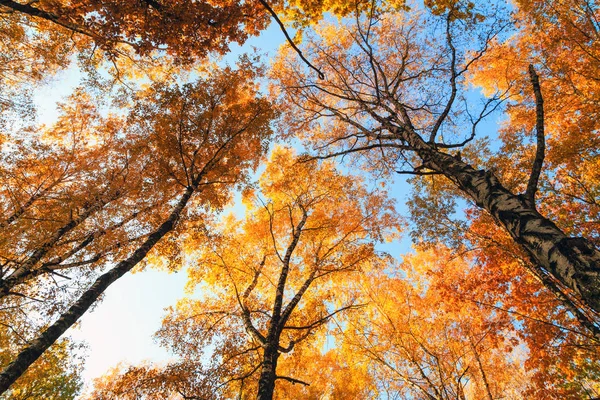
x,y
486,112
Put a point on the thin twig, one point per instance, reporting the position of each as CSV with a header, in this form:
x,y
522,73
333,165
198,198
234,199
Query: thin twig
x,y
293,380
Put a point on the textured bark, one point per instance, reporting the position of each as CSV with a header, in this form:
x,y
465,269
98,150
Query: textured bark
x,y
540,151
268,374
266,383
573,305
37,347
573,261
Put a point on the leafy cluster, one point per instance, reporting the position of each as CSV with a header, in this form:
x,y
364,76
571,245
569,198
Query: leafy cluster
x,y
296,298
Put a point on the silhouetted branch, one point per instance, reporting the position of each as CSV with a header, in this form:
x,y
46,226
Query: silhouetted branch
x,y
289,39
536,169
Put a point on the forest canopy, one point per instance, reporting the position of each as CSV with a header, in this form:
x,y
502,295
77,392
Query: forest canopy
x,y
286,189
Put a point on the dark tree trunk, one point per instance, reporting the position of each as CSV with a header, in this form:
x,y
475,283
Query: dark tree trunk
x,y
268,375
37,347
573,261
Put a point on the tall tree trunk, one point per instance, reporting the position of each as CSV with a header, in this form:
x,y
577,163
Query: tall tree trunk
x,y
268,374
37,347
574,261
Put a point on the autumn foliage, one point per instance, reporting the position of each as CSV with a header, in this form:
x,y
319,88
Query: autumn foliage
x,y
300,282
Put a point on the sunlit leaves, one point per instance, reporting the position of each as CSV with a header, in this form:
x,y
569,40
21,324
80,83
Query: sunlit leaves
x,y
289,266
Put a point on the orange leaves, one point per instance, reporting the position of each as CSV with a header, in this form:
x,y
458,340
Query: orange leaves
x,y
185,118
288,268
122,184
185,29
94,187
560,38
154,383
425,334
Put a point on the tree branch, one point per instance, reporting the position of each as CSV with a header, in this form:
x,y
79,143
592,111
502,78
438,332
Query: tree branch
x,y
289,39
536,169
36,12
38,346
453,76
293,380
326,318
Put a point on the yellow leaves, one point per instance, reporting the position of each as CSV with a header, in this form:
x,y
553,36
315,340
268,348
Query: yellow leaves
x,y
82,204
417,329
304,13
152,382
56,375
499,70
455,9
309,233
558,39
331,376
307,225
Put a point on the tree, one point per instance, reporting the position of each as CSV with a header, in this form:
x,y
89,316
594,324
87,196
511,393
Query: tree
x,y
72,204
99,194
395,97
129,38
558,38
204,138
153,382
276,278
29,54
455,335
186,30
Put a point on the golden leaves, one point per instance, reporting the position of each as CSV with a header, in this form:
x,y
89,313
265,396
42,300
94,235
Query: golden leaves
x,y
307,234
309,231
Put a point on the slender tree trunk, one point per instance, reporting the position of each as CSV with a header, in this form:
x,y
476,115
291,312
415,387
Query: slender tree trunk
x,y
268,375
37,347
486,385
573,261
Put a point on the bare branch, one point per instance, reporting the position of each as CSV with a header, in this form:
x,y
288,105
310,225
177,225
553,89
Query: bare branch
x,y
536,169
453,76
293,380
326,318
289,39
358,149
